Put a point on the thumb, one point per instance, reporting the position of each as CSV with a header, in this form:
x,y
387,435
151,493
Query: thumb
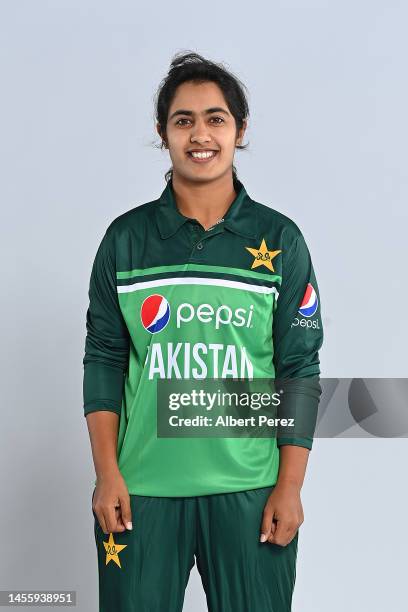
x,y
125,510
266,525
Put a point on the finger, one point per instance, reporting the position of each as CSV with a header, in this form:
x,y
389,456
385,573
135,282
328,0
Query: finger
x,y
281,532
125,511
290,536
266,524
102,522
110,519
282,540
119,524
273,526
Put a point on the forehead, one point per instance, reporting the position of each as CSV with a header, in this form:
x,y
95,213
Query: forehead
x,y
197,97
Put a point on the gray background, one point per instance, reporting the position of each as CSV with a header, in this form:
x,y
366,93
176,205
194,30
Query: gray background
x,y
328,134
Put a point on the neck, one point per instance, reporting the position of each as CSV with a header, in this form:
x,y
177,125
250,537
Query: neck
x,y
206,202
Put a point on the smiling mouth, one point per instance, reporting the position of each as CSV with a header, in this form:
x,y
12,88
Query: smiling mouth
x,y
202,156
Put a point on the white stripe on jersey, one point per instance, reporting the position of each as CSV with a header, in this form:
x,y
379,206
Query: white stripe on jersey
x,y
189,280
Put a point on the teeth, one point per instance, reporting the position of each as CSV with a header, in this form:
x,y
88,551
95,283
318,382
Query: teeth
x,y
202,154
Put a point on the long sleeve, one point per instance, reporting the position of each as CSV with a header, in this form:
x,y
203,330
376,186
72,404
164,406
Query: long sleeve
x,y
298,336
107,339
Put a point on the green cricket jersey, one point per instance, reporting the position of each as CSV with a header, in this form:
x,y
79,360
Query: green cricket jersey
x,y
170,300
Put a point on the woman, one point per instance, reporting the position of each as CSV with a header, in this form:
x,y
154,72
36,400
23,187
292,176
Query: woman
x,y
201,284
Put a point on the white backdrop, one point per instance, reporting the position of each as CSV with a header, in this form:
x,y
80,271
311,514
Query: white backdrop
x,y
328,134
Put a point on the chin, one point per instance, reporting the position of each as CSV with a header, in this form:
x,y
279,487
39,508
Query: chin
x,y
201,175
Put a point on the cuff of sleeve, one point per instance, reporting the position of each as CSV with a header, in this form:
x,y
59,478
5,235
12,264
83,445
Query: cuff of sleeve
x,y
102,387
97,405
298,411
305,442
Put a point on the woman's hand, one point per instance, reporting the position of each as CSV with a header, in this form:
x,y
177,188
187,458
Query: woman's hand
x,y
111,503
282,515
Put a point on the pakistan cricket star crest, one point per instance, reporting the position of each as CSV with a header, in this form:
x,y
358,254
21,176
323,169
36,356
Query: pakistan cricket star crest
x,y
263,257
113,550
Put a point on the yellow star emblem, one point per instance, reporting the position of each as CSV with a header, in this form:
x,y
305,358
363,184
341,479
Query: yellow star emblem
x,y
113,550
263,257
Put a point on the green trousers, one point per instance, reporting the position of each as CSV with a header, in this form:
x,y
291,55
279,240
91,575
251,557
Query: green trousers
x,y
147,569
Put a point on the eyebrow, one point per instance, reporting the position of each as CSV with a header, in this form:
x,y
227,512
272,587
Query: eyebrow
x,y
208,111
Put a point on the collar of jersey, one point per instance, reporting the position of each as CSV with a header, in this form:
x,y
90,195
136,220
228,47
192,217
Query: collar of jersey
x,y
240,218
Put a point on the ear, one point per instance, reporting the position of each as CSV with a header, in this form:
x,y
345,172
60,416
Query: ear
x,y
241,132
158,128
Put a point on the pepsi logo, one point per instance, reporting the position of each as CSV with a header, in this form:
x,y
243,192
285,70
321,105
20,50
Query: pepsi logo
x,y
309,303
155,313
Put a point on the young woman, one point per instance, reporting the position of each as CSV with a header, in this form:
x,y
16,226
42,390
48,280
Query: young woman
x,y
202,283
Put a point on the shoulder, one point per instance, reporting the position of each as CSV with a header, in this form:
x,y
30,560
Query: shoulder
x,y
273,221
135,220
133,217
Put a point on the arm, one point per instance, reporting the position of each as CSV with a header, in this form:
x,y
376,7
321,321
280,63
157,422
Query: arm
x,y
105,363
111,501
103,433
292,465
297,365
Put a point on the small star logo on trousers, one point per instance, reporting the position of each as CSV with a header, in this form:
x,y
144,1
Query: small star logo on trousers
x,y
113,550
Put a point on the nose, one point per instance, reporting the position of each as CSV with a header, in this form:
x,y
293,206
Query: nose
x,y
200,133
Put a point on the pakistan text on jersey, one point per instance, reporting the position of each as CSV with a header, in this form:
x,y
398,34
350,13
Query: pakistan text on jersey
x,y
227,360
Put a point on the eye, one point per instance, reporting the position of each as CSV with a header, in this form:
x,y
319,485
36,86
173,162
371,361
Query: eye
x,y
178,122
184,121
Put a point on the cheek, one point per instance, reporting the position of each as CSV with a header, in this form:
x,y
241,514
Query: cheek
x,y
229,142
176,150
228,148
176,142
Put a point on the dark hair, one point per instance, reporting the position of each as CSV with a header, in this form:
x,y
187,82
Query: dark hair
x,y
191,66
